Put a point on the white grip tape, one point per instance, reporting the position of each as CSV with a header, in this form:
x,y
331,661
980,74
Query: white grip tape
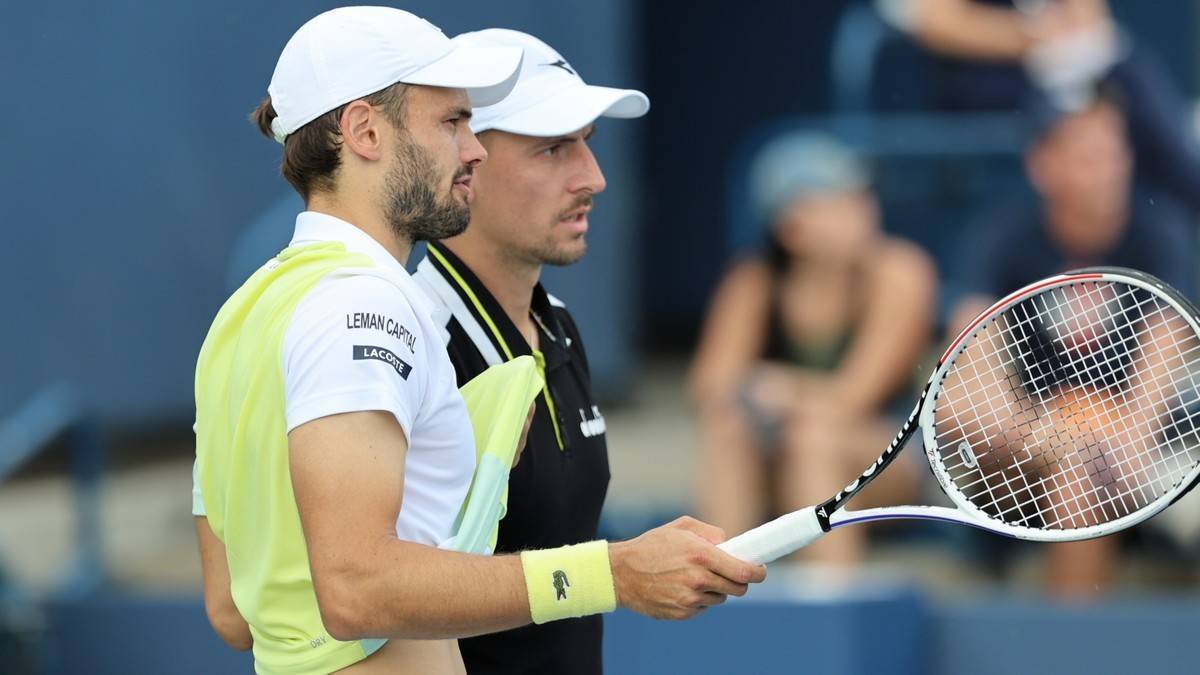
x,y
771,541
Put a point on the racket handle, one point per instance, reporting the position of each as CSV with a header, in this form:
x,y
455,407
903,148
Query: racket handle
x,y
769,542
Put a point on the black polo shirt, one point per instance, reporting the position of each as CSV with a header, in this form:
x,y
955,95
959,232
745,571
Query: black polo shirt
x,y
558,488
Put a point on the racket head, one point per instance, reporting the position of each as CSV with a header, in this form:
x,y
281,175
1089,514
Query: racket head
x,y
1069,409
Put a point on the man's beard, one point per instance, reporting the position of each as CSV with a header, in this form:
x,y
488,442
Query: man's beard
x,y
413,209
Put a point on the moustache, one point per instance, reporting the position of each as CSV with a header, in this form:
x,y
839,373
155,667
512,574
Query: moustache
x,y
580,202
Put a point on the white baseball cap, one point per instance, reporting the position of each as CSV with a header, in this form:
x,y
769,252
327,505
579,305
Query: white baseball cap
x,y
550,98
351,52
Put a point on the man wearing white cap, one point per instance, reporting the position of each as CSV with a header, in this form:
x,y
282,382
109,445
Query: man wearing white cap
x,y
333,448
531,208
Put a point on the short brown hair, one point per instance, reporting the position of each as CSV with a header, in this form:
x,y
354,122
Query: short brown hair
x,y
310,153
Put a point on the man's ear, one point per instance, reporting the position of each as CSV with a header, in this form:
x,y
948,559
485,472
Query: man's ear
x,y
361,133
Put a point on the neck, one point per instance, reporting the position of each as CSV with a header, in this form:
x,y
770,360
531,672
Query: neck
x,y
510,281
365,219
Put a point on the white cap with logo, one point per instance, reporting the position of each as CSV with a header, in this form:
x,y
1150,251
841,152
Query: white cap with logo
x,y
351,52
550,98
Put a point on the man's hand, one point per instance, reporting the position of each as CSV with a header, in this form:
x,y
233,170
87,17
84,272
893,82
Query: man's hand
x,y
675,571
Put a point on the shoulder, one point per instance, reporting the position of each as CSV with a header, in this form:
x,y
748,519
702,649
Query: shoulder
x,y
897,252
900,258
357,307
747,272
346,290
746,279
902,269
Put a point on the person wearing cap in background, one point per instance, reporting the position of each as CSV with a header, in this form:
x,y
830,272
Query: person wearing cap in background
x,y
531,207
1087,213
334,450
807,343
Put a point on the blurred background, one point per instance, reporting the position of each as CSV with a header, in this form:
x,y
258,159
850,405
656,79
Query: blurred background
x,y
819,196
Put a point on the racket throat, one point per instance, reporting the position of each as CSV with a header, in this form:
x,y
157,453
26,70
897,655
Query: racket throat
x,y
824,512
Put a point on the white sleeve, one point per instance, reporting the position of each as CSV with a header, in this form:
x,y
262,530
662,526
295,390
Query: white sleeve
x,y
354,344
197,498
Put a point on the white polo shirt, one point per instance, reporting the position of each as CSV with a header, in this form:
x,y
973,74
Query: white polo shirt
x,y
365,339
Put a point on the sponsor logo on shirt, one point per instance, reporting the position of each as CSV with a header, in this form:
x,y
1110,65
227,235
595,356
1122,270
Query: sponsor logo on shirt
x,y
374,321
593,426
367,352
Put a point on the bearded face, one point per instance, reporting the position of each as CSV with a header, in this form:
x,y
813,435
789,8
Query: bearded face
x,y
421,203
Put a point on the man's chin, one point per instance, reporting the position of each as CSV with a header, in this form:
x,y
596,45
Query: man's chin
x,y
565,255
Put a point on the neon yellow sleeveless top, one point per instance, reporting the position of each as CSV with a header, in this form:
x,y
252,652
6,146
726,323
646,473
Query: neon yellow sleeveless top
x,y
242,464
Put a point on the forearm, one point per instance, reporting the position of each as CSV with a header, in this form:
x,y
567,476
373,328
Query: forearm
x,y
407,590
219,607
970,30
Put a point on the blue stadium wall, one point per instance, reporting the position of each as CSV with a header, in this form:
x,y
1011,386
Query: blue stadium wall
x,y
131,170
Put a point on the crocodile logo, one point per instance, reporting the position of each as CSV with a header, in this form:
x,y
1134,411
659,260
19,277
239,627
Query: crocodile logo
x,y
560,585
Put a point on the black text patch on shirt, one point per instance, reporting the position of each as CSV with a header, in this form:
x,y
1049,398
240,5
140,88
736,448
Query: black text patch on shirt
x,y
364,352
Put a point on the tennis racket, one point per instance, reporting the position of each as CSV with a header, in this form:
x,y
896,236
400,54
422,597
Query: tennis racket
x,y
1068,410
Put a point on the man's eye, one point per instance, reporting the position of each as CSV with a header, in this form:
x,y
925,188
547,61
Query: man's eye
x,y
551,151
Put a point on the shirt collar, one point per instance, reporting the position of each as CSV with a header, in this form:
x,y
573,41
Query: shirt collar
x,y
553,340
314,227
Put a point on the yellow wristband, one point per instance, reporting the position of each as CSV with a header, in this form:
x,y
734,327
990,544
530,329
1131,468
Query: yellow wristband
x,y
570,581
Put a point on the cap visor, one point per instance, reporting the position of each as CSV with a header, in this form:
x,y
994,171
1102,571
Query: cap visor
x,y
487,73
572,109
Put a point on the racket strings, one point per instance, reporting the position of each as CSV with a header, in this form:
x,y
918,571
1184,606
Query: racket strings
x,y
976,382
1073,468
1002,366
1074,406
1028,411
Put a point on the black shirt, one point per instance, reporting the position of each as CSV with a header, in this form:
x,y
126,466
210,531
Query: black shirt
x,y
558,488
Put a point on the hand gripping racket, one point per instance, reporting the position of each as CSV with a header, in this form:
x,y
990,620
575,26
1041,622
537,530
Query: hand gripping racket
x,y
1068,410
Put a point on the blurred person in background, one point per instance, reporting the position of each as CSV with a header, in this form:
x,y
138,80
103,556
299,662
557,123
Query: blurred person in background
x,y
531,207
806,345
333,448
1086,214
999,52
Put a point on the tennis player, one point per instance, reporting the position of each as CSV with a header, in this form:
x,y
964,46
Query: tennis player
x,y
333,448
531,208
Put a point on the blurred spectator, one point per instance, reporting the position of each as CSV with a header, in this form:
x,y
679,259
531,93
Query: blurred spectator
x,y
1063,49
996,30
805,345
1079,164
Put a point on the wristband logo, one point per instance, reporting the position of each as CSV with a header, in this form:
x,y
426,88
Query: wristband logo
x,y
560,584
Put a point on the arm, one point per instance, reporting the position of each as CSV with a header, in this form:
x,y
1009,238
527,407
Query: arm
x,y
734,332
218,600
894,330
371,584
973,30
968,29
